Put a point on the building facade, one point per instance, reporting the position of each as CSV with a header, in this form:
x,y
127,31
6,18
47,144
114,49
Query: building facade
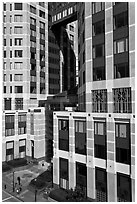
x,y
95,148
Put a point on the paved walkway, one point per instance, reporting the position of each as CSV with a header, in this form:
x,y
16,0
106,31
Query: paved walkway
x,y
26,174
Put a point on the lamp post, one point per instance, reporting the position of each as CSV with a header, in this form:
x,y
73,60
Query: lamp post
x,y
13,181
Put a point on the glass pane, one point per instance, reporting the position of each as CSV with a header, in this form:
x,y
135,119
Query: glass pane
x,y
100,129
123,131
116,130
81,127
120,46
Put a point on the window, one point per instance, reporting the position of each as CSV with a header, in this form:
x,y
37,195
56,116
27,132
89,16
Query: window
x,y
42,14
63,173
123,188
59,16
17,6
4,65
10,30
121,20
4,77
22,148
98,51
84,77
10,7
10,42
42,47
99,101
18,18
4,7
42,4
18,53
64,135
98,28
64,13
18,30
80,137
42,25
121,70
4,19
18,89
10,77
10,19
18,77
42,36
4,54
33,44
121,46
100,139
4,42
32,124
18,103
10,65
70,10
122,100
7,103
98,73
4,30
10,54
33,33
97,7
9,125
18,65
22,124
122,134
18,41
32,9
71,27
9,151
10,89
4,89
101,184
81,175
33,21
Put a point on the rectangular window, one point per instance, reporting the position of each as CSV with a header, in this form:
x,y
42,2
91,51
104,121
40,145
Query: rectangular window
x,y
97,7
64,135
18,77
63,173
22,124
81,176
100,139
7,103
98,28
4,53
10,7
4,42
4,30
32,9
71,27
10,19
33,33
101,184
17,6
123,149
122,100
32,124
10,77
123,188
4,7
18,103
9,151
42,25
99,101
4,89
18,89
22,148
33,21
10,89
33,44
10,42
10,65
18,53
10,30
10,54
18,30
42,14
4,19
18,41
121,20
121,46
9,125
99,73
98,51
80,137
4,65
18,18
121,70
4,77
18,65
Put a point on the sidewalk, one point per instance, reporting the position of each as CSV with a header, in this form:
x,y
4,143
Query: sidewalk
x,y
26,195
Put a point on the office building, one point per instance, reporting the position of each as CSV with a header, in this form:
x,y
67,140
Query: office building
x,y
95,147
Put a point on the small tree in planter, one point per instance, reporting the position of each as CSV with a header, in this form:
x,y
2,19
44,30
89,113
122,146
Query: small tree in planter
x,y
77,194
